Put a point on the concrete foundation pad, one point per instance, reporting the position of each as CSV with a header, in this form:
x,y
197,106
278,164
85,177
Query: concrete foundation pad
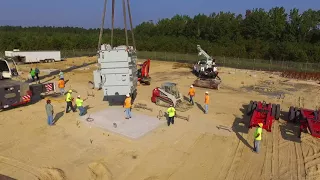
x,y
113,119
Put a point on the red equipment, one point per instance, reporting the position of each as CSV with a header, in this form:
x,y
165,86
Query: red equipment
x,y
308,119
143,73
264,113
167,94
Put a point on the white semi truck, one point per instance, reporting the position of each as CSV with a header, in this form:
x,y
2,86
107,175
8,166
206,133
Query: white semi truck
x,y
34,56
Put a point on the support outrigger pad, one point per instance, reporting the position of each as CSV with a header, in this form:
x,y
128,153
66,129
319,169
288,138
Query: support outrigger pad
x,y
207,83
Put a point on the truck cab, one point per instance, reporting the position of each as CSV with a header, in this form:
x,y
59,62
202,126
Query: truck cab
x,y
8,69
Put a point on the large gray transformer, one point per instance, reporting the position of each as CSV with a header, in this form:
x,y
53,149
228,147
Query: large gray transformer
x,y
117,73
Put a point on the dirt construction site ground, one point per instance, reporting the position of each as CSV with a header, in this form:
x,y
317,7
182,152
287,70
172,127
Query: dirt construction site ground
x,y
194,150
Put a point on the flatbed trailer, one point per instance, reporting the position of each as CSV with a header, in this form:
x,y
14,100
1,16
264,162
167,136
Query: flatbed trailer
x,y
34,56
307,119
264,113
14,93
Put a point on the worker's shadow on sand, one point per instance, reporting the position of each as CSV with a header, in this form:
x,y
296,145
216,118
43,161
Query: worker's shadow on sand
x,y
185,98
240,125
200,107
58,116
289,131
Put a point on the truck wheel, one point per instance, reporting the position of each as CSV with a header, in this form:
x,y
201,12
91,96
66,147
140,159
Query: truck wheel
x,y
297,116
292,114
254,106
273,111
249,108
277,116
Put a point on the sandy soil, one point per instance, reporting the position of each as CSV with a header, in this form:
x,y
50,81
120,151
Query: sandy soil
x,y
29,149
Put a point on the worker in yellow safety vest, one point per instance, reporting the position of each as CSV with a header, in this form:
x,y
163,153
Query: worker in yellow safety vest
x,y
127,106
171,113
79,103
257,137
69,100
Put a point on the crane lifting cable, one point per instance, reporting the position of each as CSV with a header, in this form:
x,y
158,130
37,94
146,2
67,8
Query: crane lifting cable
x,y
112,19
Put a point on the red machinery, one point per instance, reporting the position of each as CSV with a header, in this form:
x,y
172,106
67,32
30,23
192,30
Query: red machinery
x,y
143,73
167,94
261,112
308,119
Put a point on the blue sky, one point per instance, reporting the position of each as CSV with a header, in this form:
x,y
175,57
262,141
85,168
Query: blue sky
x,y
87,13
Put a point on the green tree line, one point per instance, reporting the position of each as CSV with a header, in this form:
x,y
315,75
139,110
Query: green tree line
x,y
274,34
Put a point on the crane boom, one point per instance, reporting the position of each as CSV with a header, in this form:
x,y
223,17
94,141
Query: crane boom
x,y
209,59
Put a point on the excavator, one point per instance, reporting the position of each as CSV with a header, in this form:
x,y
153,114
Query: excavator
x,y
206,71
143,73
14,92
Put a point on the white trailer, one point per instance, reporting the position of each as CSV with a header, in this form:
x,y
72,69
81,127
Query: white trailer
x,y
34,56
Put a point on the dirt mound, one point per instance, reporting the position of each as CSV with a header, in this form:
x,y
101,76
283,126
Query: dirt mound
x,y
99,171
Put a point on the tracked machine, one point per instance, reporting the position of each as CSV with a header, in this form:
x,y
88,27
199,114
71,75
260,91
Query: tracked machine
x,y
264,113
308,120
206,71
168,94
143,73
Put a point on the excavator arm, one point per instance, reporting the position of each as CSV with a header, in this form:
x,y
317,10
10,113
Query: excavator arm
x,y
143,73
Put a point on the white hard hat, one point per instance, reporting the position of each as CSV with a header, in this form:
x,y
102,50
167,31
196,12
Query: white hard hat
x,y
128,95
78,96
191,85
207,92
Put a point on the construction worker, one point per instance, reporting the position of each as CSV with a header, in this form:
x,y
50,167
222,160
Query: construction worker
x,y
206,102
61,76
191,93
37,72
257,137
69,100
61,86
49,110
127,106
79,103
171,113
32,74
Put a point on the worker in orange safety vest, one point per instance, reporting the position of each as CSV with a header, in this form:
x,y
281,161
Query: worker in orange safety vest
x,y
127,106
61,86
191,93
206,102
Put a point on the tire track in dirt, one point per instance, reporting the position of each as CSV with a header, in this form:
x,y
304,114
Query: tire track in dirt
x,y
269,155
202,160
174,156
230,173
311,153
260,165
275,152
12,165
227,163
301,173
